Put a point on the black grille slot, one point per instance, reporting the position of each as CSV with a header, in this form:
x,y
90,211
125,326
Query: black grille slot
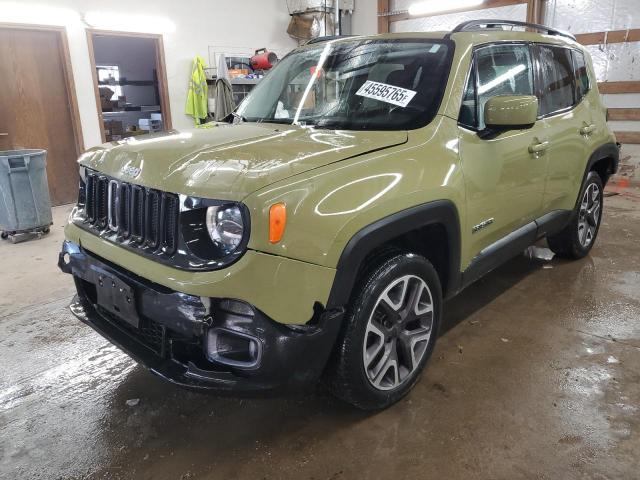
x,y
152,226
137,213
142,217
125,210
100,201
90,203
169,219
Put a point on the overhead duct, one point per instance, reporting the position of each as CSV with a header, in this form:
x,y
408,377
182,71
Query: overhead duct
x,y
317,18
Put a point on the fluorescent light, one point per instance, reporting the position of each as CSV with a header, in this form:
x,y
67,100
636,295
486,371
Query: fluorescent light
x,y
34,13
435,6
129,23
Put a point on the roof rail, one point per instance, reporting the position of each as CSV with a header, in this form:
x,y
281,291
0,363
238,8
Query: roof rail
x,y
475,25
326,38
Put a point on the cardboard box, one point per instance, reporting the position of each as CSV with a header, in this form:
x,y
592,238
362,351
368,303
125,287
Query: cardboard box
x,y
113,127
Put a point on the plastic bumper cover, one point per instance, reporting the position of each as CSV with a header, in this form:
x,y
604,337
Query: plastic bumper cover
x,y
167,331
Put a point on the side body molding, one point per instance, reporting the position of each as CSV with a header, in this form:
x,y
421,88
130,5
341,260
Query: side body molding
x,y
382,231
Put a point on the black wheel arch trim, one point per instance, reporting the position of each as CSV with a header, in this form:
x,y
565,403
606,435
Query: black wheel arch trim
x,y
366,240
607,150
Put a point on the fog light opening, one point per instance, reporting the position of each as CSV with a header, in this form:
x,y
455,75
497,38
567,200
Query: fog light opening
x,y
233,348
66,258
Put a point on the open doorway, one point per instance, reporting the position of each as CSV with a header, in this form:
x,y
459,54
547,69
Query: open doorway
x,y
130,83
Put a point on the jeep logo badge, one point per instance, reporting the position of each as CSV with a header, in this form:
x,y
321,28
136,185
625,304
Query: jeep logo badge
x,y
130,171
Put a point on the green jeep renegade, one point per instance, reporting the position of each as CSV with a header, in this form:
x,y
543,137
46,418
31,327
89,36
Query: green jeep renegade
x,y
315,234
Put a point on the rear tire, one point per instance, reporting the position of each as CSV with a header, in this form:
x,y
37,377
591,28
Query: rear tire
x,y
389,334
576,239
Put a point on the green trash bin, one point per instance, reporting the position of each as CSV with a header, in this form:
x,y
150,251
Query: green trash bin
x,y
25,206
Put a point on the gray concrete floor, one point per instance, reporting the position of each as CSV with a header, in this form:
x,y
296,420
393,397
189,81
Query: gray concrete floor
x,y
536,375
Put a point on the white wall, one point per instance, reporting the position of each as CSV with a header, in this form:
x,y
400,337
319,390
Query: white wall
x,y
198,25
365,17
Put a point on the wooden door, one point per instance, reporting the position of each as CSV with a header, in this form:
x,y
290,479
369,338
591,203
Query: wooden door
x,y
36,109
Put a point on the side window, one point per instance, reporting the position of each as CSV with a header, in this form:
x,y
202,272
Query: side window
x,y
557,81
580,72
502,70
496,70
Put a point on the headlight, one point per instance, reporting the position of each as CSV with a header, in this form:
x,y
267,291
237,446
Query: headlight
x,y
225,226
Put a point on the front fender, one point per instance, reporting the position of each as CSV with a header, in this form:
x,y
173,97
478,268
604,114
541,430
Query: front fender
x,y
326,208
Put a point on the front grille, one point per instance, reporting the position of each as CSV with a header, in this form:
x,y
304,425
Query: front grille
x,y
143,217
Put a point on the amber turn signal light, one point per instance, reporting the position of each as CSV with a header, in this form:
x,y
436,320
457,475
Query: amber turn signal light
x,y
277,221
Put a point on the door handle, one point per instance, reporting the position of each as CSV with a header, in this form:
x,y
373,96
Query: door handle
x,y
538,147
587,129
2,134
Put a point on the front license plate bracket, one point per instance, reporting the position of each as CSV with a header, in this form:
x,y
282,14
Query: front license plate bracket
x,y
115,296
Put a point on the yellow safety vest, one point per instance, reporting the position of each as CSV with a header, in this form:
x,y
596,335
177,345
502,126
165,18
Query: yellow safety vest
x,y
198,91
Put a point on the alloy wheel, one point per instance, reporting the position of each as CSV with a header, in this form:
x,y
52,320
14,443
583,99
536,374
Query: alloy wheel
x,y
398,332
589,215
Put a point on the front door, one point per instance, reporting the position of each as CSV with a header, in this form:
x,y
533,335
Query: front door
x,y
504,180
35,105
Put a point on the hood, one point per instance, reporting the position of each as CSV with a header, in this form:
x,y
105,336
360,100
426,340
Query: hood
x,y
229,162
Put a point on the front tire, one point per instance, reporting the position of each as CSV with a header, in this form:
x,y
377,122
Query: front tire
x,y
391,328
577,238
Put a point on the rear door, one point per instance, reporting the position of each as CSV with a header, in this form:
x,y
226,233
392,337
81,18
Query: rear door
x,y
568,121
504,181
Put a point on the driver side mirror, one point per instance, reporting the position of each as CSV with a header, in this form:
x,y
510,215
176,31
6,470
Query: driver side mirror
x,y
510,112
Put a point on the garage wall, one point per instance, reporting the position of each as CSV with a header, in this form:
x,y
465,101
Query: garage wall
x,y
365,18
198,24
613,62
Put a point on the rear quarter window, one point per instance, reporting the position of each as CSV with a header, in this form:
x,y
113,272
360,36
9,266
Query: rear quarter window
x,y
581,74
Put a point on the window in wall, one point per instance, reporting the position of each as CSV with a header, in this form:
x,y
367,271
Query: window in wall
x,y
502,70
557,79
109,76
580,72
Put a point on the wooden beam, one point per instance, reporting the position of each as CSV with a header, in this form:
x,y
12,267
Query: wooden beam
x,y
613,36
383,17
628,137
534,11
623,114
619,87
486,4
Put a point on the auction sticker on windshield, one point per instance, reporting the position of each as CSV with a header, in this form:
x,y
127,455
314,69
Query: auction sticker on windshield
x,y
386,93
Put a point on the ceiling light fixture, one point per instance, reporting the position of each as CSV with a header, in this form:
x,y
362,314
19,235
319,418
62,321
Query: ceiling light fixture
x,y
129,23
33,13
435,6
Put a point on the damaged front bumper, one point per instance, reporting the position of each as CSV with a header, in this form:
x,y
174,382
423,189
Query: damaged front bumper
x,y
218,344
